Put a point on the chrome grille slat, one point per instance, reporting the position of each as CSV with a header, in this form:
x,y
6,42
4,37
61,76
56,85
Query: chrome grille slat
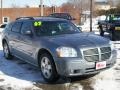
x,y
97,54
105,52
91,55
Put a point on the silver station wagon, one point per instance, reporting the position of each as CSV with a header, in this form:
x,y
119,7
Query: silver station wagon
x,y
57,47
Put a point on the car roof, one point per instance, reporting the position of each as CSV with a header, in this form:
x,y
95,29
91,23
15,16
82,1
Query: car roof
x,y
40,19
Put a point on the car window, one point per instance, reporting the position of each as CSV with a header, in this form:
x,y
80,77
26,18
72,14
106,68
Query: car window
x,y
107,18
51,28
9,26
26,26
3,26
16,27
61,15
115,17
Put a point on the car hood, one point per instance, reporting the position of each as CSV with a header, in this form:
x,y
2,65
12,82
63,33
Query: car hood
x,y
79,40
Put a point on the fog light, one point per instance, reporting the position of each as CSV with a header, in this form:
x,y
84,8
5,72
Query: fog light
x,y
77,71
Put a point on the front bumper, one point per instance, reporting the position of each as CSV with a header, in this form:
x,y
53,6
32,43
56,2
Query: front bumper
x,y
76,66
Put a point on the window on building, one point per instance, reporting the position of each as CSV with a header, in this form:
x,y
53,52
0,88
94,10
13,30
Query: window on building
x,y
5,19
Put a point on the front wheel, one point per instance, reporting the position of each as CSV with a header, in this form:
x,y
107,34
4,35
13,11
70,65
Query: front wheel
x,y
48,68
6,51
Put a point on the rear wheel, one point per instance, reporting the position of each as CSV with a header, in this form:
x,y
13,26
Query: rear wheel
x,y
6,51
48,68
101,32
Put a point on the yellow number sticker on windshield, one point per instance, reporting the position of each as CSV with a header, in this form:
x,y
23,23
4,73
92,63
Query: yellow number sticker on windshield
x,y
37,24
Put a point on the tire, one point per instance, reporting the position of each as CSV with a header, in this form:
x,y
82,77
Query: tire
x,y
48,69
112,36
101,32
6,51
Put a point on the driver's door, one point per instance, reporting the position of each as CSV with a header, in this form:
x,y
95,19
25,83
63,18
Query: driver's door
x,y
26,42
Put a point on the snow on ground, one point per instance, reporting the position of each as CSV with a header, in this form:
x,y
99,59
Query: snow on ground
x,y
86,26
18,75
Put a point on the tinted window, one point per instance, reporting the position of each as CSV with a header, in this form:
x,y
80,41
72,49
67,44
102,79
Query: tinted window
x,y
62,15
3,26
115,17
26,26
108,18
9,26
16,27
51,28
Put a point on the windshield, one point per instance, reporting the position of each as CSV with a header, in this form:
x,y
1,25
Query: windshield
x,y
115,17
51,28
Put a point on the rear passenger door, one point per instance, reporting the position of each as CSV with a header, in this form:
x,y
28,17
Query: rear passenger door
x,y
15,37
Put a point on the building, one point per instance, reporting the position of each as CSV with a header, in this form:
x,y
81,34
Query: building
x,y
10,14
102,6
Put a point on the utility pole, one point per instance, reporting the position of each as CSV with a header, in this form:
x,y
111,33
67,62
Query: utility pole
x,y
81,11
1,10
91,13
41,7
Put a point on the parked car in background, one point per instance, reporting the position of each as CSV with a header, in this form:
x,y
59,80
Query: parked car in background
x,y
57,47
62,15
2,26
111,25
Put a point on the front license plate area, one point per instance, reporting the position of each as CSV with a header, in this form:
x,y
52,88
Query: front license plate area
x,y
100,65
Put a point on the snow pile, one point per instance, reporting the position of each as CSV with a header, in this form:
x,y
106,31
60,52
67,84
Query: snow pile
x,y
86,26
106,81
16,74
109,79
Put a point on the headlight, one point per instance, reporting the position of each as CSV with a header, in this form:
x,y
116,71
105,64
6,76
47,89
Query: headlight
x,y
112,45
66,52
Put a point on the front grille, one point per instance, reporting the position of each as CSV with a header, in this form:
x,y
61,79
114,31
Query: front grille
x,y
97,54
91,58
88,52
105,56
105,53
105,49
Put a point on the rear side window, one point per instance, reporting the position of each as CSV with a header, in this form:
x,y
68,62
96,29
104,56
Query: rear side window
x,y
3,26
9,26
16,27
26,26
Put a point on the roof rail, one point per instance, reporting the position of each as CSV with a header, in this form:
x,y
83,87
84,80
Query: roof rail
x,y
30,18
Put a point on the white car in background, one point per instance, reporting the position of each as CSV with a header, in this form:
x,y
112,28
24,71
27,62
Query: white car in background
x,y
2,26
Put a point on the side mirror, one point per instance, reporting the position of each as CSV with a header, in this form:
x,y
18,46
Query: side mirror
x,y
28,32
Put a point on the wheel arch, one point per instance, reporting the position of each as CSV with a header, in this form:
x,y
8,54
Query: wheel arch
x,y
3,41
41,51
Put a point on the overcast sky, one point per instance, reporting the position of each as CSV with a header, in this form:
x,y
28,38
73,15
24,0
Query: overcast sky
x,y
9,3
34,3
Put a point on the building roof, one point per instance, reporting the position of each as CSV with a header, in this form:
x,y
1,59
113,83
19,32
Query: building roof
x,y
101,3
